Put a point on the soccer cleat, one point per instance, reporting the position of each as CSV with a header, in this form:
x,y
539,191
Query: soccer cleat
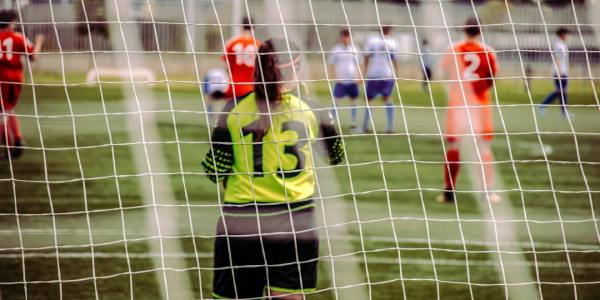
x,y
362,131
493,198
567,115
17,150
541,110
445,197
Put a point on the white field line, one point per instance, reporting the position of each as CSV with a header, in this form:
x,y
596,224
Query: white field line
x,y
502,236
342,259
148,157
334,210
345,259
338,237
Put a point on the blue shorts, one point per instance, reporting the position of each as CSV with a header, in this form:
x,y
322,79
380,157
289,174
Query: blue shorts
x,y
342,90
561,83
377,87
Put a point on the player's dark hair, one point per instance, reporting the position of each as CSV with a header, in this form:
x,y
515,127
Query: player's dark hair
x,y
425,42
345,32
266,74
7,16
562,30
272,62
386,29
247,23
267,88
472,27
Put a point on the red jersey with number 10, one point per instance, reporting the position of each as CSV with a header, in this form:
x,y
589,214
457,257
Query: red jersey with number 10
x,y
240,54
12,46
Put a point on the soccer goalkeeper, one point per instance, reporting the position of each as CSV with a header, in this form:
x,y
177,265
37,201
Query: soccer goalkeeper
x,y
470,68
266,238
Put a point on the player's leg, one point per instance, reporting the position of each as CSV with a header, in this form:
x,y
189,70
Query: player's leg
x,y
13,126
353,94
563,97
452,155
484,116
388,87
338,94
232,276
550,98
486,171
10,93
451,169
372,92
426,77
292,253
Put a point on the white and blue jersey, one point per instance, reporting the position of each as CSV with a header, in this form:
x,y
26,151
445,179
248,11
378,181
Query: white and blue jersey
x,y
381,52
344,60
561,56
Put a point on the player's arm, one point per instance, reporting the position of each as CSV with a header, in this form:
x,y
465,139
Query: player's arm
x,y
334,145
557,63
393,52
332,141
446,62
366,63
227,50
493,66
36,47
555,55
395,64
218,162
331,66
367,57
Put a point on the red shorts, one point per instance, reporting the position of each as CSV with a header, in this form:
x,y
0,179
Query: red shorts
x,y
9,95
463,122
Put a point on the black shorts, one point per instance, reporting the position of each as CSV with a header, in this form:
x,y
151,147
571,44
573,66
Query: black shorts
x,y
282,258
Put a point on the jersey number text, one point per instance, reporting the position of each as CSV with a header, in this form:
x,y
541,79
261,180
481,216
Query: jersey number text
x,y
6,47
294,149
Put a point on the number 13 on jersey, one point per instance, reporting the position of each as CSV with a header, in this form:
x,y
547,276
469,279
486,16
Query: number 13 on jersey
x,y
277,154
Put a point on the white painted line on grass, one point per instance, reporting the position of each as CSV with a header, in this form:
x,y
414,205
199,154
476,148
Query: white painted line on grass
x,y
501,237
148,157
346,259
344,237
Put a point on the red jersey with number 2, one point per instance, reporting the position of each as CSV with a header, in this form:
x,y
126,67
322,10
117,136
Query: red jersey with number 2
x,y
240,54
13,46
476,64
470,68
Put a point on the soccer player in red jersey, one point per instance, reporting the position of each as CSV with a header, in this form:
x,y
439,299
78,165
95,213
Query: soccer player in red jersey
x,y
470,67
240,55
13,46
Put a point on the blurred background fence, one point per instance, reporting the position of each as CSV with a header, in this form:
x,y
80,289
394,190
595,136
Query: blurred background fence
x,y
516,28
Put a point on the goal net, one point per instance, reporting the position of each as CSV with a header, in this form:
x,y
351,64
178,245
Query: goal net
x,y
109,197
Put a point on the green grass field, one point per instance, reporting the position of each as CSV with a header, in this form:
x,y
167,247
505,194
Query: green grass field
x,y
67,178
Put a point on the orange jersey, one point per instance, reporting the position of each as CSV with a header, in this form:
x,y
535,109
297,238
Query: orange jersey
x,y
240,55
470,68
13,46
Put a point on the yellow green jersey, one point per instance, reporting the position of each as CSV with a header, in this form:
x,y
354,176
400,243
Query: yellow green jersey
x,y
271,163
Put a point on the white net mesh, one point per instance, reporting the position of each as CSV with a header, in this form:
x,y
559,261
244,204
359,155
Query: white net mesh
x,y
110,199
